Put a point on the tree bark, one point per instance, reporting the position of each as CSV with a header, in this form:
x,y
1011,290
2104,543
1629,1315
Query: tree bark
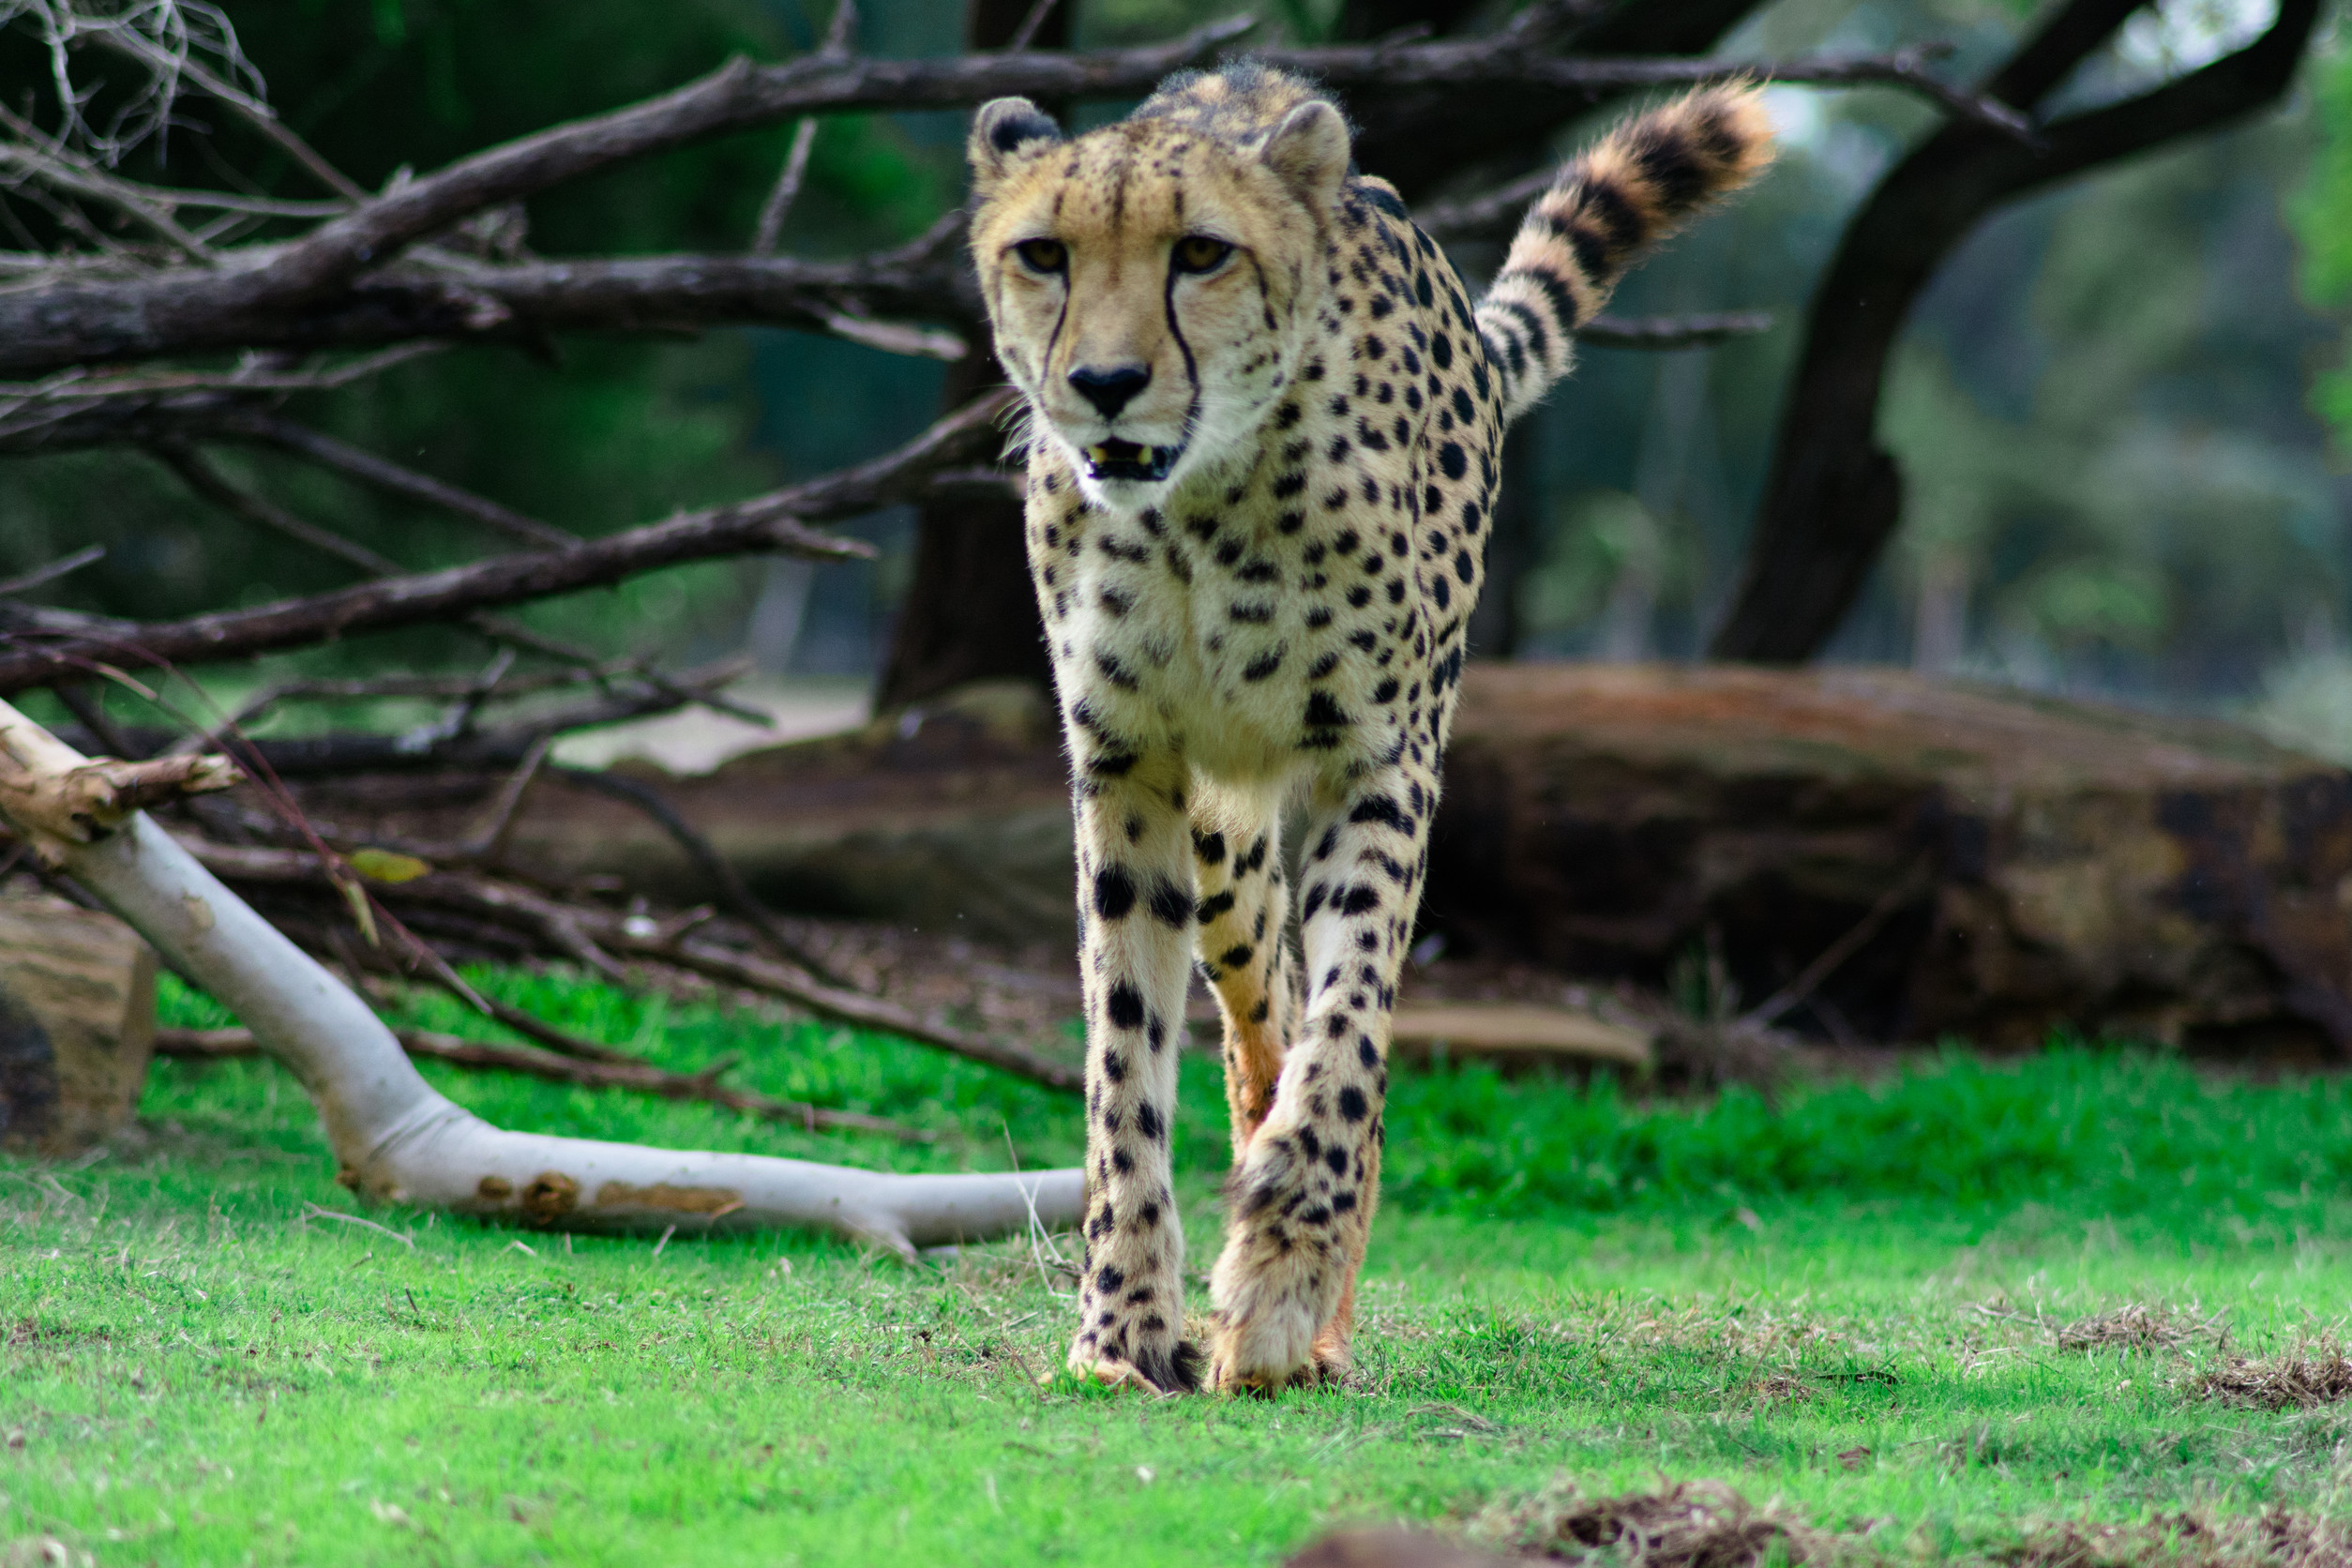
x,y
400,1142
1835,495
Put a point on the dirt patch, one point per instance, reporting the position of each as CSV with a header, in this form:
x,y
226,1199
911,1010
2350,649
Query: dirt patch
x,y
1781,1388
2139,1328
2276,1540
1704,1524
2301,1380
1696,1524
32,1331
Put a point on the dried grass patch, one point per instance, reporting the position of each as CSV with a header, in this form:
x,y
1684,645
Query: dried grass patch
x,y
2138,1327
2276,1540
1781,1388
1693,1523
2300,1379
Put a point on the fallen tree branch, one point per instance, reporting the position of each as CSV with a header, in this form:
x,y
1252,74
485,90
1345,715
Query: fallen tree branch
x,y
775,523
400,1142
225,1045
591,936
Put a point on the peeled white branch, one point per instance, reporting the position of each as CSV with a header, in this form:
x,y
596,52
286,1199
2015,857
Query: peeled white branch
x,y
398,1139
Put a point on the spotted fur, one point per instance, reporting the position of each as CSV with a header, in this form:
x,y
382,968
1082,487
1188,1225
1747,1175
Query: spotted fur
x,y
1265,423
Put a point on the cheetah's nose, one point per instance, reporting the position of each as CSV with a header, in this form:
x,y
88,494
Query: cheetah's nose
x,y
1110,390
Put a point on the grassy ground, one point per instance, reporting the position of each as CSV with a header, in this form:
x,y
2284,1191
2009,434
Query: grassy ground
x,y
1848,1306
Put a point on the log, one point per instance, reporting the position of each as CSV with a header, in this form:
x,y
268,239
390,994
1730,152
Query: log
x,y
1518,1033
2017,864
77,1024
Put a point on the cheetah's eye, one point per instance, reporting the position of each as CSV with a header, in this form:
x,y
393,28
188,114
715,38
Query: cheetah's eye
x,y
1200,253
1043,255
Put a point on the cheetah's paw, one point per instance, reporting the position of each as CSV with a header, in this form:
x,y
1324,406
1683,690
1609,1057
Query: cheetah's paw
x,y
1165,1374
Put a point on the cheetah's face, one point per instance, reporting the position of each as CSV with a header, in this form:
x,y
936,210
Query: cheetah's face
x,y
1150,285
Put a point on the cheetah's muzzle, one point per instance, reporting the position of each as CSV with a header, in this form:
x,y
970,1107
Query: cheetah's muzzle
x,y
1127,459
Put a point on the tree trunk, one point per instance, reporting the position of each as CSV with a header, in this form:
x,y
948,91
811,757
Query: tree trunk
x,y
1834,494
970,613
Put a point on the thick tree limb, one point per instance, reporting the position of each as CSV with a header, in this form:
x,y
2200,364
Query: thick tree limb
x,y
489,303
1835,495
75,319
775,523
400,1142
227,1045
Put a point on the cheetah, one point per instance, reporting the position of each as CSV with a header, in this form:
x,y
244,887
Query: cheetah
x,y
1264,424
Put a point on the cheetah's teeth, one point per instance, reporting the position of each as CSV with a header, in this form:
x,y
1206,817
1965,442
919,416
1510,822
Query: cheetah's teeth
x,y
1128,460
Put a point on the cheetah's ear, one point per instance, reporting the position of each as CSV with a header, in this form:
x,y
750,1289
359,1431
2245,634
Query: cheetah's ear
x,y
1310,150
1005,131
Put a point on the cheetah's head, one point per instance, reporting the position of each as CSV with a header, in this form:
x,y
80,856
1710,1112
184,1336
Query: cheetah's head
x,y
1152,283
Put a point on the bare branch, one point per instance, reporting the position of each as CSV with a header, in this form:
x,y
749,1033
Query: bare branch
x,y
708,859
398,1141
452,297
777,522
1672,332
207,481
779,203
390,477
59,167
1026,33
247,107
40,577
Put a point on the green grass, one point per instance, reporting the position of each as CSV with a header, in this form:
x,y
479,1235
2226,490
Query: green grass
x,y
1565,1283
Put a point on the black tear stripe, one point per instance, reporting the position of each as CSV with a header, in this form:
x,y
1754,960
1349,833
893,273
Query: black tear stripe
x,y
1192,371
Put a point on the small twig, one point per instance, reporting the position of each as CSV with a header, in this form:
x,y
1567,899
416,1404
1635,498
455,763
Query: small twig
x,y
90,711
312,1210
209,482
779,203
484,842
1026,33
665,1240
1797,989
392,479
1672,332
255,113
40,577
706,858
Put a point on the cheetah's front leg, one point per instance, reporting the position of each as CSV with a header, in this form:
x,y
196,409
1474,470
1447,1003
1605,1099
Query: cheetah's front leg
x,y
1136,914
1299,1202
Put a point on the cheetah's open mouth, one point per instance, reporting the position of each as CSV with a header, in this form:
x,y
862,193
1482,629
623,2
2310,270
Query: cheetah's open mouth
x,y
1128,460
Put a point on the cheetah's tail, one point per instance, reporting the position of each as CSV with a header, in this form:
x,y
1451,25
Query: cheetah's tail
x,y
1647,177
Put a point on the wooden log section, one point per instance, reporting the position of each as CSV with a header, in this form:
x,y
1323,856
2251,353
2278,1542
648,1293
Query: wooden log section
x,y
2058,864
77,1024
